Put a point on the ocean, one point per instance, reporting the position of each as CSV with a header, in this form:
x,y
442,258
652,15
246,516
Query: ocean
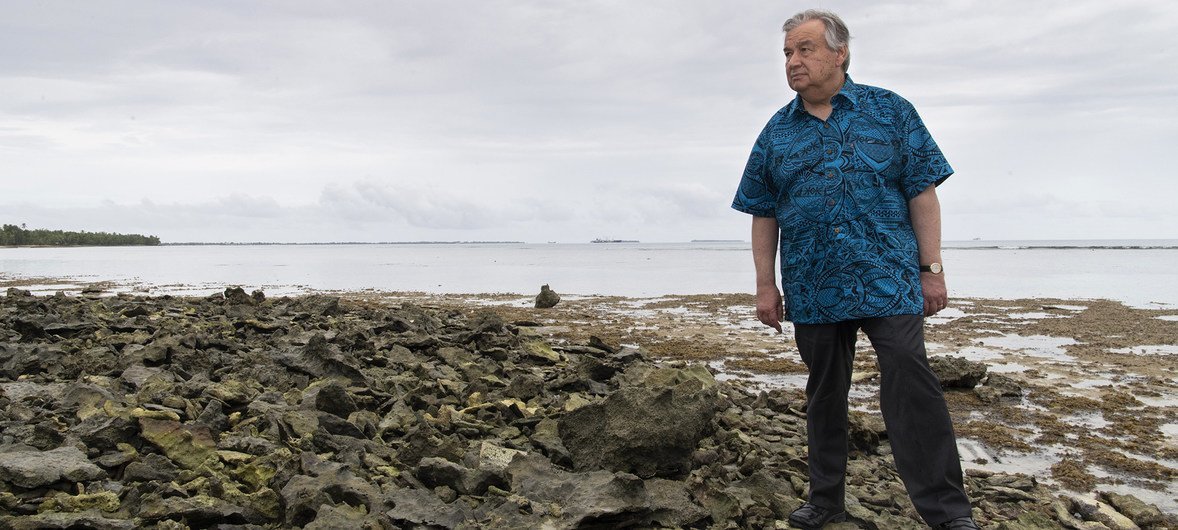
x,y
1142,273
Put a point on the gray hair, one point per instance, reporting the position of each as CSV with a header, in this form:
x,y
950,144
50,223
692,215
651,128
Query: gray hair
x,y
837,34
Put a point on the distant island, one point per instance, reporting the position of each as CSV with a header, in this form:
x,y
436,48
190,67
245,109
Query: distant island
x,y
259,243
12,235
600,240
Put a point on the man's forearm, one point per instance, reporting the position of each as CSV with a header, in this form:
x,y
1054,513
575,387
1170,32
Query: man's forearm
x,y
764,238
925,212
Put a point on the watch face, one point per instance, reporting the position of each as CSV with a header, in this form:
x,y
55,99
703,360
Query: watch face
x,y
935,268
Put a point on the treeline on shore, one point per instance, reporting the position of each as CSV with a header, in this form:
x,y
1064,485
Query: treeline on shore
x,y
12,235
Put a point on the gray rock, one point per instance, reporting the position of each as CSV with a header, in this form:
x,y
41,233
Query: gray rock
x,y
671,504
547,298
336,517
198,511
420,507
1103,513
611,500
866,431
22,359
304,495
319,358
331,397
435,472
1006,386
104,432
649,430
35,469
237,296
957,372
152,467
89,519
1138,511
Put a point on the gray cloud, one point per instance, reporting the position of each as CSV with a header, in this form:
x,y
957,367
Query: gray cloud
x,y
543,120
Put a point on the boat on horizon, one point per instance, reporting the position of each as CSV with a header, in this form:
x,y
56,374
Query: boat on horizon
x,y
608,240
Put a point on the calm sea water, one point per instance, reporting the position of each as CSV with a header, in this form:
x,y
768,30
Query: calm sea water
x,y
1143,273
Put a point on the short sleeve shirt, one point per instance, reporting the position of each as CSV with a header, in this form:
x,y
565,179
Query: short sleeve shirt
x,y
839,190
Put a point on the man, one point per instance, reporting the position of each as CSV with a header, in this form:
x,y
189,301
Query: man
x,y
842,182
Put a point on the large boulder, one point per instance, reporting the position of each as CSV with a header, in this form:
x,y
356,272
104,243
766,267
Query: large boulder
x,y
547,297
649,429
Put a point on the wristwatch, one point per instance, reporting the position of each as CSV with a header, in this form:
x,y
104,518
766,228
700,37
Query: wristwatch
x,y
934,268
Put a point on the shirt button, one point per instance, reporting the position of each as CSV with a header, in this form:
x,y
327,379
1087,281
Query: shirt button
x,y
829,174
830,202
829,151
838,229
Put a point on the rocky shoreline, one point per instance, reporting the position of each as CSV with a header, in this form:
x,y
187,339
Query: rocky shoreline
x,y
242,411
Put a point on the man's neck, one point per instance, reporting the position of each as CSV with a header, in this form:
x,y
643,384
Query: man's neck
x,y
817,100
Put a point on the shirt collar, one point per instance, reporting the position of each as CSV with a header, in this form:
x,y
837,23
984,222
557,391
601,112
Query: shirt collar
x,y
849,92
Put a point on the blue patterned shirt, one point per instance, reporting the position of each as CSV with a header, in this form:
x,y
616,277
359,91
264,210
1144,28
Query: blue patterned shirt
x,y
839,190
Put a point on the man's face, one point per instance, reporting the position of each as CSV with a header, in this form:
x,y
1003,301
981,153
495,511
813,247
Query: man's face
x,y
809,63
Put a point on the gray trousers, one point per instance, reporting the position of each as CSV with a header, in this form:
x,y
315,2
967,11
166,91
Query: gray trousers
x,y
918,424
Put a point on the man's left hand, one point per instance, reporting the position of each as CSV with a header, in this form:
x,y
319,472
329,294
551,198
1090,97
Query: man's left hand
x,y
936,295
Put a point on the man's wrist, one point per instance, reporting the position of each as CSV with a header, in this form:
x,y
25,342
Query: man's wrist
x,y
933,268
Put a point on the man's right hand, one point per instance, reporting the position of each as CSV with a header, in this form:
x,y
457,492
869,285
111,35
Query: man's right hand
x,y
770,310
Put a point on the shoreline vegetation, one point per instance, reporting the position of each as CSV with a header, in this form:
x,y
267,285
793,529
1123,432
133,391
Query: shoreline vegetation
x,y
265,243
471,411
19,236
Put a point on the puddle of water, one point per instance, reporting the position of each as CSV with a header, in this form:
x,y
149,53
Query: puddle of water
x,y
49,289
1034,345
1169,400
1093,383
1095,421
723,373
745,324
1038,465
1008,368
1170,318
1033,316
1153,349
1072,308
977,353
948,314
641,302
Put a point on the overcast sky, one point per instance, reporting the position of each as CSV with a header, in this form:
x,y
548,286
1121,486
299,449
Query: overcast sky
x,y
560,121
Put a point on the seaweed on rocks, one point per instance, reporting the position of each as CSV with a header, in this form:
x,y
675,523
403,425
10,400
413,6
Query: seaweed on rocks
x,y
246,411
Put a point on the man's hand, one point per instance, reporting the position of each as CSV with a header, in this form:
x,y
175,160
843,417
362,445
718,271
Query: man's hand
x,y
936,296
770,311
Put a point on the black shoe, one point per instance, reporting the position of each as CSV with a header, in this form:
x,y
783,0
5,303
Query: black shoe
x,y
811,517
960,523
